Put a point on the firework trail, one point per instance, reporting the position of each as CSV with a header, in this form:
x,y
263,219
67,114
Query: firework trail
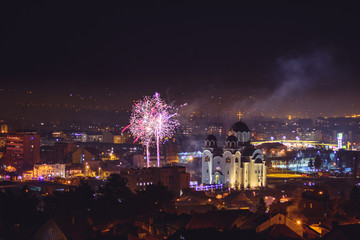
x,y
164,121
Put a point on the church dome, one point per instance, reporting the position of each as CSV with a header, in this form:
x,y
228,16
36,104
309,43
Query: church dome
x,y
211,137
210,141
231,138
240,127
231,141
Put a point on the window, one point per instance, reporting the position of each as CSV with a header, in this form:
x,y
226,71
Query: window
x,y
207,159
236,160
228,160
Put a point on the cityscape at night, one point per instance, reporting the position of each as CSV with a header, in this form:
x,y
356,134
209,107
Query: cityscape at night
x,y
164,120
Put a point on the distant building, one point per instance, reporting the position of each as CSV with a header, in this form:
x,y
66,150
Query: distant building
x,y
271,150
237,165
56,153
172,154
95,137
281,227
274,153
121,137
106,170
65,227
108,137
75,170
59,136
310,135
176,179
116,137
4,128
348,160
2,140
22,150
78,137
138,161
84,154
49,170
88,157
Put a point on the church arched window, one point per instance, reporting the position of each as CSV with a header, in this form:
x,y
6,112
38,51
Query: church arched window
x,y
236,160
228,160
207,159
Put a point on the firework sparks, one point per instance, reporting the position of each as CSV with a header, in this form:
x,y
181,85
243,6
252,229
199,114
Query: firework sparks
x,y
165,123
151,119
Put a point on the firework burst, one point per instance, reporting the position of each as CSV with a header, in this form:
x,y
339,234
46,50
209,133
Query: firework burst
x,y
152,120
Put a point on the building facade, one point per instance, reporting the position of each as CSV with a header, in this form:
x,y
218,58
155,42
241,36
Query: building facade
x,y
236,165
176,179
22,150
49,171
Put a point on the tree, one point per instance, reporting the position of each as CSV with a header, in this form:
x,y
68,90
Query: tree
x,y
116,188
18,213
355,195
80,199
311,163
116,201
317,162
154,198
355,166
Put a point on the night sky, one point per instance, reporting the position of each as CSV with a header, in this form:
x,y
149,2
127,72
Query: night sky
x,y
61,60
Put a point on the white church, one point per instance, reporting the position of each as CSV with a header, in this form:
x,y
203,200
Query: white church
x,y
237,165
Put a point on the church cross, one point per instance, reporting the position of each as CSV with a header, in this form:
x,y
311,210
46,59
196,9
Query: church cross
x,y
240,114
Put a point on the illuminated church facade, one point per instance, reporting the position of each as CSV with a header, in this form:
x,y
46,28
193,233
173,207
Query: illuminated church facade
x,y
236,165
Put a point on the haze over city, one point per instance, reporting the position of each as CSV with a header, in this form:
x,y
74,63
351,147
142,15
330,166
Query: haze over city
x,y
179,120
77,61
